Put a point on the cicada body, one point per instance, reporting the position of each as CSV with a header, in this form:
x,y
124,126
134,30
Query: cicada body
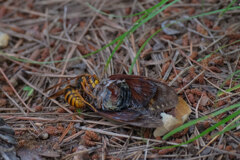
x,y
135,100
133,92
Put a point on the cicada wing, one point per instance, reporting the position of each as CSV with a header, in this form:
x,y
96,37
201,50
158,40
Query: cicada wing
x,y
148,92
164,122
133,118
122,116
164,99
142,90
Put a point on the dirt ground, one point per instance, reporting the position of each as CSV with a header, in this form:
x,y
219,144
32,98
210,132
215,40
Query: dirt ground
x,y
50,41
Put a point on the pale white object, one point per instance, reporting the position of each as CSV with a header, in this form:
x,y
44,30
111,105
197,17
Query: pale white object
x,y
171,121
4,38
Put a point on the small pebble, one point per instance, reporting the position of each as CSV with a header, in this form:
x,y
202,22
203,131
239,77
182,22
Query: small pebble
x,y
44,136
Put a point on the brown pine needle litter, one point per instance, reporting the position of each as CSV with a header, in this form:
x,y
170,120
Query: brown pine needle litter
x,y
47,42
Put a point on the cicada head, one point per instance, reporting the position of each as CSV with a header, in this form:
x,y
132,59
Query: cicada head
x,y
112,95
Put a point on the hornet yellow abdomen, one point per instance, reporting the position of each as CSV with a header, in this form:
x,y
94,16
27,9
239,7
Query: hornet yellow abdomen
x,y
73,97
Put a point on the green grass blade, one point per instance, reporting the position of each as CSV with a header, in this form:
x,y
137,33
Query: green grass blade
x,y
228,128
229,90
181,20
29,90
79,110
227,8
228,118
140,50
224,46
59,61
120,37
113,52
112,15
200,120
149,15
220,93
